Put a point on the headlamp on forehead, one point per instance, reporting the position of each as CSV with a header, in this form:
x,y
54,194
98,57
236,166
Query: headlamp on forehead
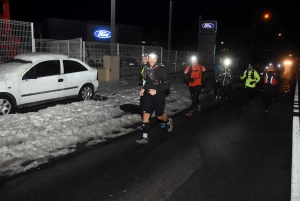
x,y
227,62
144,55
152,55
193,58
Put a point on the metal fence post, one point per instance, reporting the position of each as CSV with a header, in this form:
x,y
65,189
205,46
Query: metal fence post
x,y
68,48
83,51
32,39
143,49
80,49
118,49
175,61
161,54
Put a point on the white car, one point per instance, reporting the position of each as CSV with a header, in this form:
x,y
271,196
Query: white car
x,y
36,78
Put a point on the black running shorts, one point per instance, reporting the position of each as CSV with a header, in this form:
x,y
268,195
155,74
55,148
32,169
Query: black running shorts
x,y
154,103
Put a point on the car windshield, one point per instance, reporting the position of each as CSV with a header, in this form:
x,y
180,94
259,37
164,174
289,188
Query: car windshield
x,y
18,61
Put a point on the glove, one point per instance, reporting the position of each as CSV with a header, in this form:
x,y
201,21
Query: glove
x,y
191,80
252,82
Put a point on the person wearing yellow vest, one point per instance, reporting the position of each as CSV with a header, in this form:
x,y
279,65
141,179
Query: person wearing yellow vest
x,y
142,80
251,78
194,73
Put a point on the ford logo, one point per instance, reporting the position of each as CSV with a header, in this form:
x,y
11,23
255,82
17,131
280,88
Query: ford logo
x,y
102,34
207,25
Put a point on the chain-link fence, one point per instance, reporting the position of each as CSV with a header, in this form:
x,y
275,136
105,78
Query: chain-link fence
x,y
15,38
72,48
93,52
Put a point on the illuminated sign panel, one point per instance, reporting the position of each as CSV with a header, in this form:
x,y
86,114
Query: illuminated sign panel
x,y
207,25
102,34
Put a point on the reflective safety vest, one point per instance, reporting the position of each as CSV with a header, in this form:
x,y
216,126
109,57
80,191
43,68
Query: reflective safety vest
x,y
270,78
143,78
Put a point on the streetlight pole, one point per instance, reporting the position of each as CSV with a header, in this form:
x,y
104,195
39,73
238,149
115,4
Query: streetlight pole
x,y
199,35
113,26
252,41
170,33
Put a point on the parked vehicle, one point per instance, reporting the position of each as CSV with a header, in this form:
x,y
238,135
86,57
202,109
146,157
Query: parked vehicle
x,y
128,60
36,78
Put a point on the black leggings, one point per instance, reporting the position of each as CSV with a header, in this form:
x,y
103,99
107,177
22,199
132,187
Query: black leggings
x,y
195,92
216,87
142,105
224,91
268,95
249,94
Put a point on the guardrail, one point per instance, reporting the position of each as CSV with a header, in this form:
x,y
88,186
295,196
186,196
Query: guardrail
x,y
295,177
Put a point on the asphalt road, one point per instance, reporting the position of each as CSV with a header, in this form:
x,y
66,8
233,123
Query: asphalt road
x,y
217,155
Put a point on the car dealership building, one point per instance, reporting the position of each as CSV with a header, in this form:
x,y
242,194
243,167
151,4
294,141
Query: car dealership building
x,y
63,29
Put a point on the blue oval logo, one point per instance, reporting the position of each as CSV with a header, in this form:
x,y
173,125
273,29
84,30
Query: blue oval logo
x,y
102,34
207,25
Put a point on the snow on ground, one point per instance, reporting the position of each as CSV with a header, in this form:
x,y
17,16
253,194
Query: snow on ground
x,y
31,139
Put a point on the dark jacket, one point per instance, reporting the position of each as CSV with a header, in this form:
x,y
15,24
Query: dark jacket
x,y
225,77
156,78
217,69
269,80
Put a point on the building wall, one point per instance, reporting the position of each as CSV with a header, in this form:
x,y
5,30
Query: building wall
x,y
63,29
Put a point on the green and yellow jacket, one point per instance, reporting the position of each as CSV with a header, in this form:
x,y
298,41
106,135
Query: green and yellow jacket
x,y
252,78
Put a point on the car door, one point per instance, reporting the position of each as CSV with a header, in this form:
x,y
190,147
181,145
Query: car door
x,y
42,82
75,76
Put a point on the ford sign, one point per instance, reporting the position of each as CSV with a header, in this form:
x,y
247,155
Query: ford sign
x,y
207,25
102,34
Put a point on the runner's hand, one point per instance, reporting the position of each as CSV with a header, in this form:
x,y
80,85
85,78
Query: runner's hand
x,y
142,92
152,92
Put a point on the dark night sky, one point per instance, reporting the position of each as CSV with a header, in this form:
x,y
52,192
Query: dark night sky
x,y
234,18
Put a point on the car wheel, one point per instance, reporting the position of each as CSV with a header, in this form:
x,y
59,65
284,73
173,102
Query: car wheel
x,y
86,92
6,105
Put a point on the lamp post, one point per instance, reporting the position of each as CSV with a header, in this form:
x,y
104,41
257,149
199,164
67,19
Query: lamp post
x,y
266,16
113,27
170,34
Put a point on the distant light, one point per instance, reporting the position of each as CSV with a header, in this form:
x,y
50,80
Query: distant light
x,y
270,64
279,34
267,67
278,65
290,55
266,15
287,62
227,62
222,42
143,42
